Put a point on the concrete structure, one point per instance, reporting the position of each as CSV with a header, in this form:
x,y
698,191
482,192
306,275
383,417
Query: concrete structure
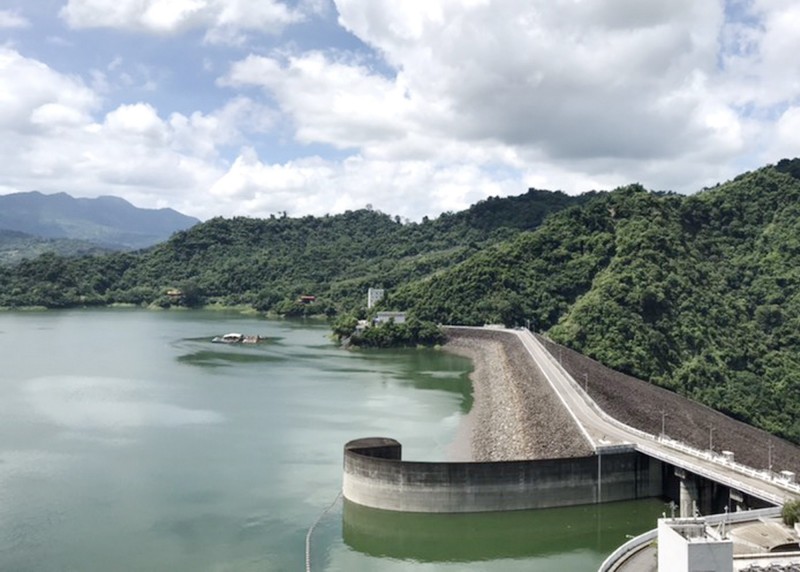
x,y
383,317
375,476
374,295
688,545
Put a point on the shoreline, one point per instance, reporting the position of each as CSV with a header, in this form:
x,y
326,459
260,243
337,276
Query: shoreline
x,y
515,414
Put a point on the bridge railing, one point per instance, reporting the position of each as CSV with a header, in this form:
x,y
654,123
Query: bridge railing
x,y
661,453
767,476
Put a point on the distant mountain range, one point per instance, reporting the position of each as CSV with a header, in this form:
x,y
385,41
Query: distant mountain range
x,y
104,223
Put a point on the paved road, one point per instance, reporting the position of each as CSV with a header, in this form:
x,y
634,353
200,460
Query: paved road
x,y
603,432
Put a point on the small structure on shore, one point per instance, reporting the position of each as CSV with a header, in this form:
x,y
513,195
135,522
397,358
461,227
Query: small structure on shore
x,y
385,317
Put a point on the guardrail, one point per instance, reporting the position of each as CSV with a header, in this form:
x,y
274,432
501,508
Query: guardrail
x,y
764,475
632,546
710,456
715,476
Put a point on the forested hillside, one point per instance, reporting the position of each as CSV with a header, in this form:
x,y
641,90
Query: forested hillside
x,y
17,246
269,263
700,294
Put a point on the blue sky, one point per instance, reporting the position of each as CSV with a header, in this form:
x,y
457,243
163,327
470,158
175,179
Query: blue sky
x,y
254,107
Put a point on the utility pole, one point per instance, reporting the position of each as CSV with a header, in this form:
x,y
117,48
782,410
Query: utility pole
x,y
769,459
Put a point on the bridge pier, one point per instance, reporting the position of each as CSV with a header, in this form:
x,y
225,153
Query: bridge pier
x,y
696,495
700,496
688,496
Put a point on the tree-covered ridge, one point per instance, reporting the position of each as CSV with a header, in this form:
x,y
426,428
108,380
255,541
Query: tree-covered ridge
x,y
18,246
269,263
700,294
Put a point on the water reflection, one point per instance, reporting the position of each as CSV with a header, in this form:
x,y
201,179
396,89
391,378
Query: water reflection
x,y
92,403
211,358
427,369
475,537
201,352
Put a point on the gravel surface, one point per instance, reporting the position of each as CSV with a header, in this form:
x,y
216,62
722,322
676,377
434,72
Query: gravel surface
x,y
516,414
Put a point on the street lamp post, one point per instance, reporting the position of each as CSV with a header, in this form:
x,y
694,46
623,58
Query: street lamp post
x,y
711,438
769,458
586,382
663,423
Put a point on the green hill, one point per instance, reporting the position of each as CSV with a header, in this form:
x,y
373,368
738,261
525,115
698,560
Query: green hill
x,y
17,246
269,263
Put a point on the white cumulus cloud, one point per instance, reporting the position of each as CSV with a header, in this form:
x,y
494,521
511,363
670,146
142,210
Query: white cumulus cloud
x,y
54,136
224,20
413,107
10,19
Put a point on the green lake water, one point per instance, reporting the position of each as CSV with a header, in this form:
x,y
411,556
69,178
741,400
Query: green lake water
x,y
129,442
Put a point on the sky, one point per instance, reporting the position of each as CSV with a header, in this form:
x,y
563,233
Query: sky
x,y
412,107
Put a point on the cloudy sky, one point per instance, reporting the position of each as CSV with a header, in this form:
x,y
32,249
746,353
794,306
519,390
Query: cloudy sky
x,y
254,107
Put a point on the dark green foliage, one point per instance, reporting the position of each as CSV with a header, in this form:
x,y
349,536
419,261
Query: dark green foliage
x,y
790,166
18,246
269,264
413,332
790,513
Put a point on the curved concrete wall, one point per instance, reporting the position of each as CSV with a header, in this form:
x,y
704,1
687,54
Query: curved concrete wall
x,y
377,477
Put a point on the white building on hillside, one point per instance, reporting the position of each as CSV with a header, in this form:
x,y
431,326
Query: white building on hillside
x,y
374,295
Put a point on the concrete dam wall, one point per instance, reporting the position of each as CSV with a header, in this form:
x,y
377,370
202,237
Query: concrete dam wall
x,y
376,476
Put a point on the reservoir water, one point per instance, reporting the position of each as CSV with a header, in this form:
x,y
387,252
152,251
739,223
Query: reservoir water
x,y
129,442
